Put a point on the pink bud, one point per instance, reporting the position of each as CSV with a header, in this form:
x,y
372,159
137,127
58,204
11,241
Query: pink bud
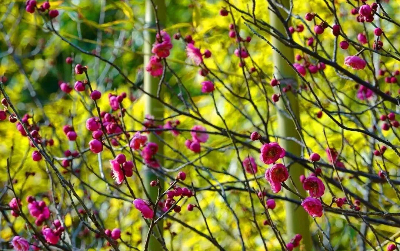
x,y
71,135
391,247
336,30
275,98
270,203
223,12
53,13
95,95
385,126
79,86
318,29
68,60
344,45
207,53
3,115
181,176
315,157
378,31
309,16
190,207
274,82
120,158
116,233
95,146
392,116
36,156
79,69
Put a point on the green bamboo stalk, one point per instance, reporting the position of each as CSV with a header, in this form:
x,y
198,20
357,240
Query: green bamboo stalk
x,y
152,106
297,220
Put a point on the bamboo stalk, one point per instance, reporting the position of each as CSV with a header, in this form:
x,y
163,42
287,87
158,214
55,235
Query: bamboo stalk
x,y
297,220
152,106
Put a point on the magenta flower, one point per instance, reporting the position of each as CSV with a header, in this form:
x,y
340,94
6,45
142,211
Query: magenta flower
x,y
50,235
275,175
114,103
355,62
20,244
207,87
162,49
194,54
155,67
144,207
199,136
362,38
250,165
314,186
95,146
137,141
171,125
116,233
153,163
271,152
332,154
149,150
118,174
92,124
194,146
312,206
300,69
241,53
15,204
364,93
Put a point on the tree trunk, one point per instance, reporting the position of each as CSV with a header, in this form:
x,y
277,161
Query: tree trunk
x,y
297,220
152,106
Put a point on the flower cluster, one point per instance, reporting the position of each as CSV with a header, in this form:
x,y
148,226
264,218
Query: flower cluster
x,y
199,135
38,209
161,49
121,167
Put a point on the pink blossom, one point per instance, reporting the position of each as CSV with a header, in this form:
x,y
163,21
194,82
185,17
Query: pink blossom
x,y
300,69
162,49
241,53
149,150
275,175
362,38
207,87
144,207
312,206
114,103
270,203
171,125
194,54
118,174
15,204
20,244
153,163
314,186
95,146
137,141
165,37
194,146
116,233
250,165
199,136
65,88
92,124
50,235
355,62
364,93
155,67
332,154
38,209
271,152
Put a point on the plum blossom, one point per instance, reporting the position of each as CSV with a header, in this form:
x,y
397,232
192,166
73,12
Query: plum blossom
x,y
275,175
271,152
144,207
199,136
171,125
314,186
312,206
300,69
207,86
364,93
155,67
118,174
194,54
50,235
137,141
163,45
355,62
20,244
250,165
